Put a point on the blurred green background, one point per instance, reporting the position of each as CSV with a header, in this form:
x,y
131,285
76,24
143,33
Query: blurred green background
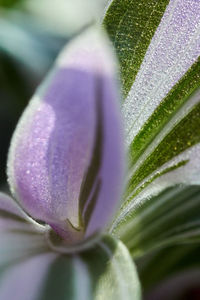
x,y
26,53
32,32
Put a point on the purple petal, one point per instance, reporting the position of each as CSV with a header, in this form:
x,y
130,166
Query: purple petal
x,y
66,159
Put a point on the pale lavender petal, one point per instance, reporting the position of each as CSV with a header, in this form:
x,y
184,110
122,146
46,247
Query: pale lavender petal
x,y
19,235
66,156
12,216
9,205
24,280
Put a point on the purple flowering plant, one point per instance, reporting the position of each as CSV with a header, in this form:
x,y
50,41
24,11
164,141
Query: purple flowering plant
x,y
103,165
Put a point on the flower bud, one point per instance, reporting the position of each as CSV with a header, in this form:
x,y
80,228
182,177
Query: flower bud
x,y
66,157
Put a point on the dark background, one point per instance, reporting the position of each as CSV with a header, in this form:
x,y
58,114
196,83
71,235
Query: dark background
x,y
27,52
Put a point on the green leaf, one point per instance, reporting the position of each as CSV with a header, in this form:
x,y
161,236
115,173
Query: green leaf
x,y
159,58
172,217
167,263
131,25
180,138
179,95
10,3
105,271
162,99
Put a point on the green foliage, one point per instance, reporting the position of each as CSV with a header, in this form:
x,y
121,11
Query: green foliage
x,y
163,151
172,217
131,25
187,131
180,94
9,3
165,263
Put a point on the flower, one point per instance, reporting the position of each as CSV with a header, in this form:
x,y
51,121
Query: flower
x,y
65,163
